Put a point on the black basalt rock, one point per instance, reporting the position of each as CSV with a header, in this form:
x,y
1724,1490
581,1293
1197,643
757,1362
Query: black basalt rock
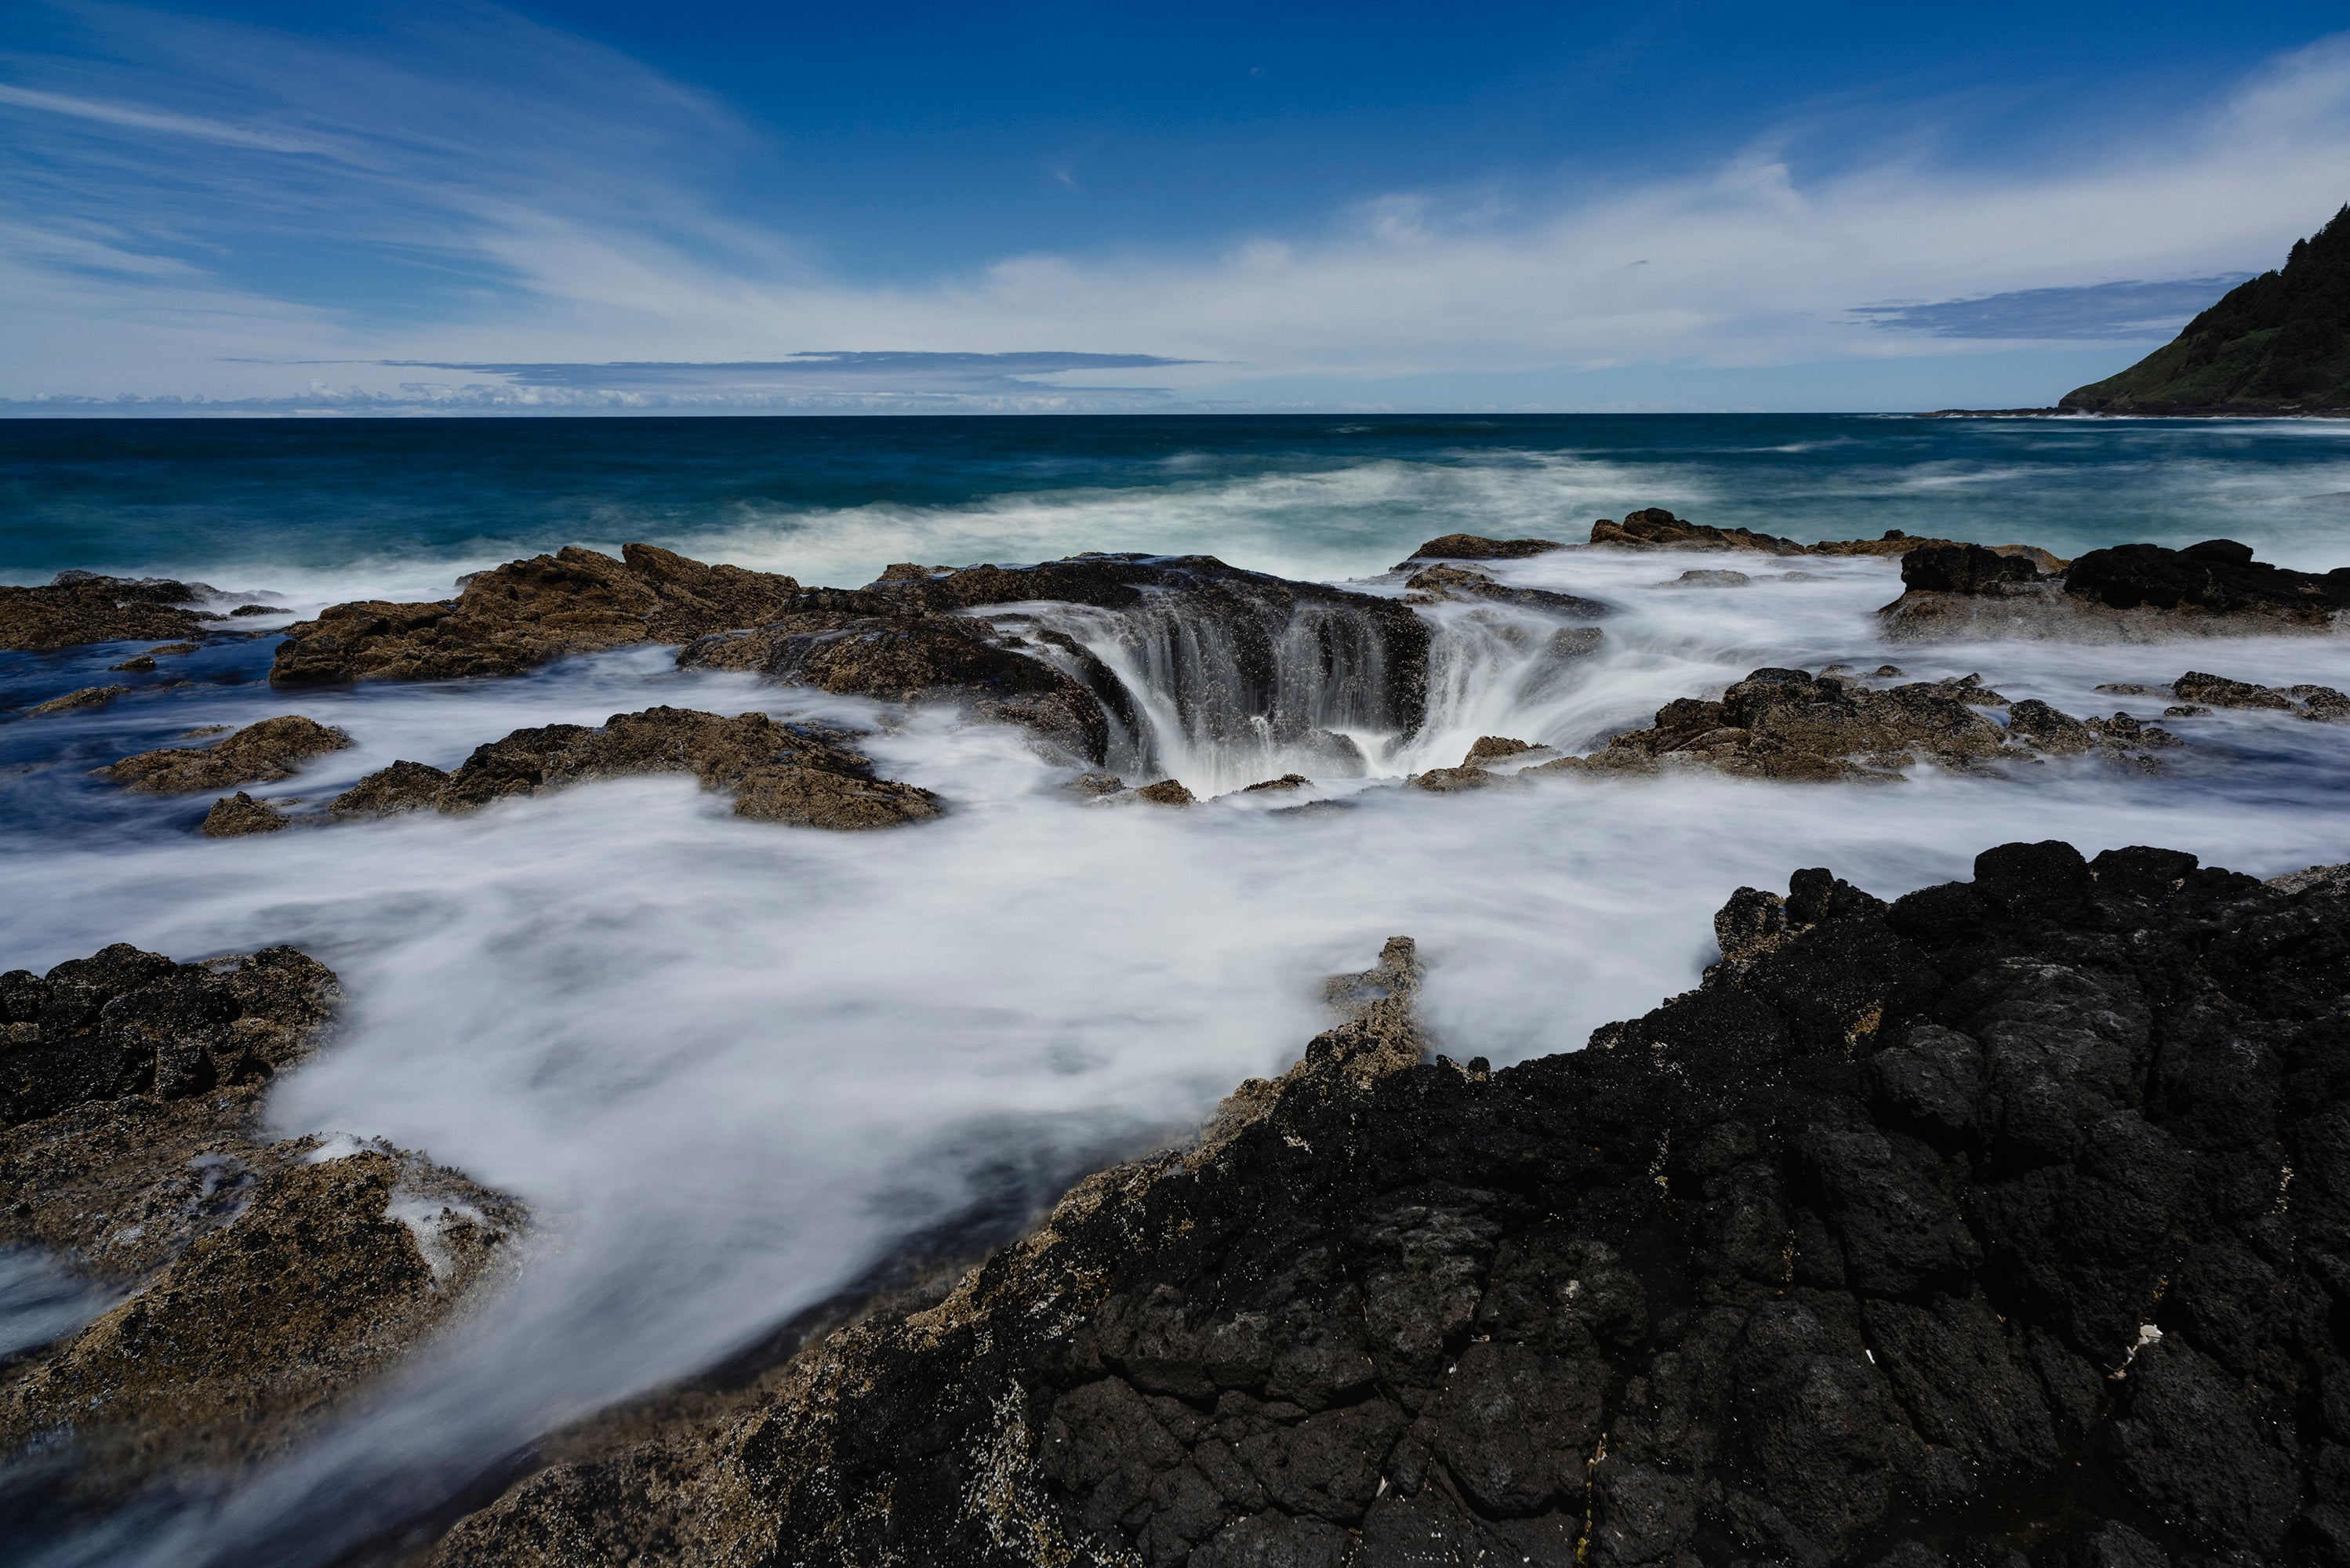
x,y
2006,1223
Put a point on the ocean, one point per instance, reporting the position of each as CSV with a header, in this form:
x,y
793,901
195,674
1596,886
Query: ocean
x,y
731,1067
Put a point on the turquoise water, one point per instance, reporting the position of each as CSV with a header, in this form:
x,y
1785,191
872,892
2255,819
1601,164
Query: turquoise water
x,y
396,501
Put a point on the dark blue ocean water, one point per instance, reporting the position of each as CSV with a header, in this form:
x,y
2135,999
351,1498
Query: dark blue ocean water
x,y
395,502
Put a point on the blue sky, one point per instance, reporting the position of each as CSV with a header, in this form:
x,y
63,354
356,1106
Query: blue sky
x,y
615,206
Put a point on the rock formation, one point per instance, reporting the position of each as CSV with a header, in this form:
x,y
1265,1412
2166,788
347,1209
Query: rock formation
x,y
83,607
1996,1225
1655,528
529,613
2129,593
1788,725
2279,343
262,752
246,1285
1236,649
1477,547
789,772
1442,582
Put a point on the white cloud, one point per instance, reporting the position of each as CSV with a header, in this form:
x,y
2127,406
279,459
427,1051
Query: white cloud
x,y
580,220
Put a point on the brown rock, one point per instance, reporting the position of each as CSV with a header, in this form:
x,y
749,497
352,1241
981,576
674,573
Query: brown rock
x,y
1462,582
1489,747
1655,528
801,773
238,815
1285,782
1448,781
138,665
1166,792
81,606
1787,724
83,701
263,1285
1476,548
915,636
529,613
259,754
913,658
1701,579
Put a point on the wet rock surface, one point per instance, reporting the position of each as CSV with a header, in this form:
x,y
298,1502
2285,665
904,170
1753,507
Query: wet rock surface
x,y
88,700
1477,547
82,607
261,752
1995,1225
2130,593
1442,582
237,1287
797,773
239,816
1789,724
1655,528
529,613
1226,646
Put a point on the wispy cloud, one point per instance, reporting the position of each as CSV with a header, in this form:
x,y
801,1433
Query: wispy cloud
x,y
2094,312
478,194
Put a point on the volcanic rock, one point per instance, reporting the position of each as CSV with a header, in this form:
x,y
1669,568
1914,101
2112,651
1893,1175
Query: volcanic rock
x,y
1700,578
259,754
796,773
1493,747
1477,547
1787,724
1952,1230
1462,583
1656,528
2129,593
82,607
1244,653
87,700
238,815
249,1284
1166,792
529,613
2319,703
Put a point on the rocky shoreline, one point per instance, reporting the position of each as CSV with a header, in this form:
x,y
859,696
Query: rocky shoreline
x,y
1997,1224
2007,1222
235,1292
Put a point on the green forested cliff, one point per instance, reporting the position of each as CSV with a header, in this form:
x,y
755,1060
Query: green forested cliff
x,y
2279,343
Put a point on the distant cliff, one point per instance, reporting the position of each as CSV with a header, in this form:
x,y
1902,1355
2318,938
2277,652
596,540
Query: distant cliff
x,y
2279,343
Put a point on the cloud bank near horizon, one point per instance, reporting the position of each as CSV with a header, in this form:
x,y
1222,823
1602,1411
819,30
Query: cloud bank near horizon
x,y
199,205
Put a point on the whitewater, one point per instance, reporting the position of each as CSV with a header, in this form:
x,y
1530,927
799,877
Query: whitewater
x,y
734,1069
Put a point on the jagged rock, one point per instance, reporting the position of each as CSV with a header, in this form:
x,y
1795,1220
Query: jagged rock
x,y
87,700
798,773
1656,528
1964,569
82,607
914,658
1493,747
1463,583
1092,786
1856,1253
1708,579
1468,775
259,754
1787,724
2323,703
138,664
235,815
2129,593
920,636
1166,792
1285,782
529,613
1477,547
255,1283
